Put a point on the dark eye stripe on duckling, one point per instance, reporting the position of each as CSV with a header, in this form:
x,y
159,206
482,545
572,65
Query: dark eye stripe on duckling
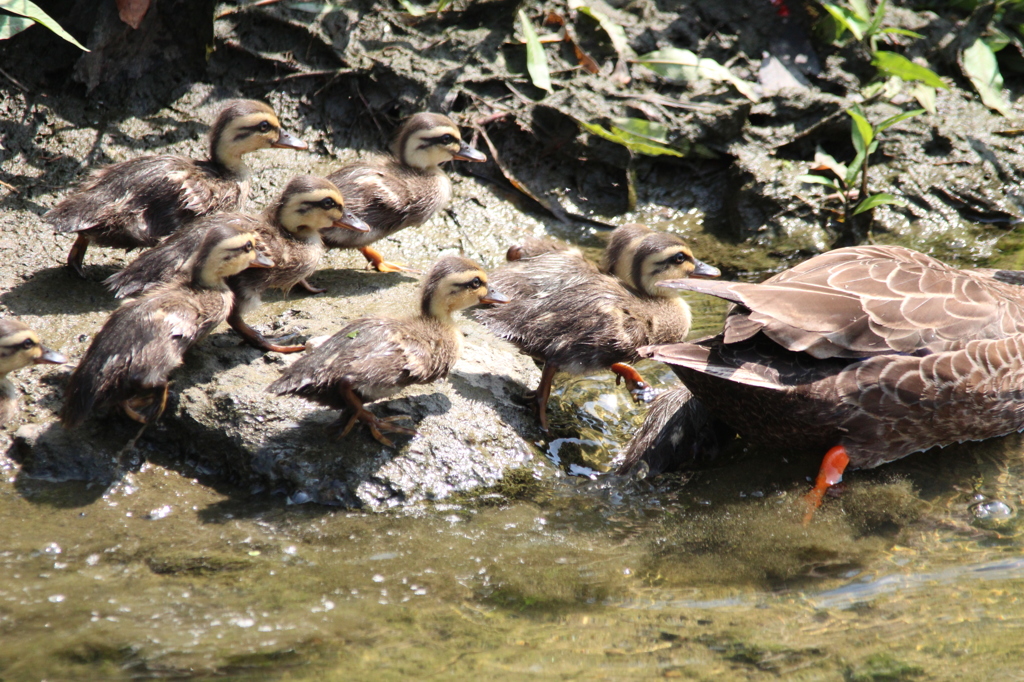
x,y
325,204
17,345
443,140
257,129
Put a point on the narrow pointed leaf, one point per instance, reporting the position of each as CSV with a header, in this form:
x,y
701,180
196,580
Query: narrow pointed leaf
x,y
893,120
32,11
536,60
901,31
894,64
854,168
877,200
818,180
630,142
876,18
638,127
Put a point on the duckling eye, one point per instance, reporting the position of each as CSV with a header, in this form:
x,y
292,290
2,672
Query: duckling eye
x,y
248,247
678,259
28,343
447,138
328,203
264,126
476,283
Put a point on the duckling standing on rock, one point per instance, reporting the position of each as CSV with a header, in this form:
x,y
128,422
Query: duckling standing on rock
x,y
372,358
145,339
572,317
289,235
870,352
138,202
402,190
19,347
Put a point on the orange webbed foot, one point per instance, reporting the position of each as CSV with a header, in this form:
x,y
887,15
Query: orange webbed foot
x,y
831,472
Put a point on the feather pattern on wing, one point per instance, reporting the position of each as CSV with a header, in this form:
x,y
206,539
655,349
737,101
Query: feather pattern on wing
x,y
375,357
878,348
139,345
135,203
563,310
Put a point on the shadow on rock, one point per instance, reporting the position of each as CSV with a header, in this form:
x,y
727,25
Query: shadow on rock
x,y
57,291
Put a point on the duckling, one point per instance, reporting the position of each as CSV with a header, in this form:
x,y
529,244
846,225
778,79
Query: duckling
x,y
571,317
145,339
289,235
402,190
374,357
19,347
869,352
136,203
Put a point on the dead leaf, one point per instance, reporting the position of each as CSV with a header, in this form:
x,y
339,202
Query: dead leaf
x,y
132,12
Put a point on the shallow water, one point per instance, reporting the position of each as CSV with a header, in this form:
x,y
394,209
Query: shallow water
x,y
912,570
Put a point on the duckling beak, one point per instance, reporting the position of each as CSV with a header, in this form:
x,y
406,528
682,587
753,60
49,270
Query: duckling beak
x,y
702,270
350,221
262,261
467,153
50,357
494,297
288,141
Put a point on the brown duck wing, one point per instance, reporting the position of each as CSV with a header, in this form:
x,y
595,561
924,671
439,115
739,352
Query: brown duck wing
x,y
140,344
144,199
866,301
374,356
563,310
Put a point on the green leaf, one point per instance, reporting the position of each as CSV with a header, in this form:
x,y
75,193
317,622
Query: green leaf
x,y
901,31
861,130
846,20
819,180
893,120
10,26
620,43
877,200
925,96
353,334
860,9
676,64
980,66
412,9
854,168
638,127
32,11
897,65
536,60
876,19
631,142
442,5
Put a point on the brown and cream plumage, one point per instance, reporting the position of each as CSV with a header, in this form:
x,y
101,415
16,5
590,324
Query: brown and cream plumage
x,y
401,190
19,347
574,318
372,358
144,340
880,351
138,202
289,234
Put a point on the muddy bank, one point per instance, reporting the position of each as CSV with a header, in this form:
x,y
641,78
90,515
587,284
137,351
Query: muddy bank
x,y
342,79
